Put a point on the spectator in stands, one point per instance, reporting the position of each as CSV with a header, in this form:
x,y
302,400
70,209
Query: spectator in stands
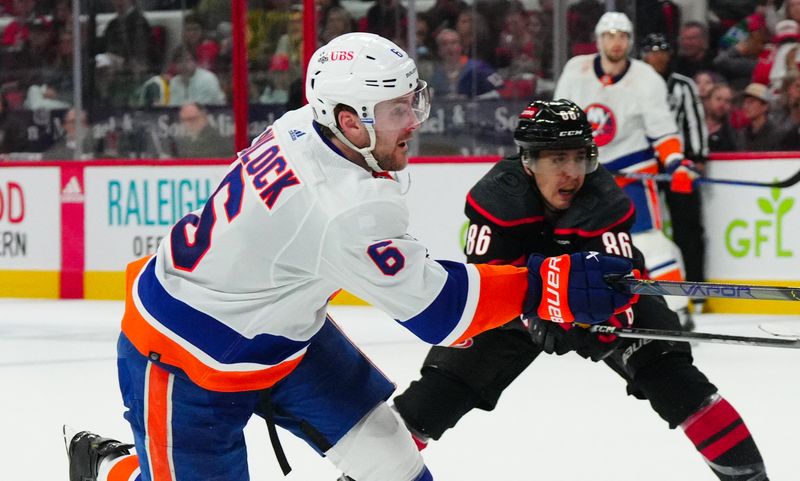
x,y
792,10
694,54
458,76
193,83
154,92
212,12
779,58
290,43
127,37
66,148
36,55
786,108
786,111
581,19
737,63
658,16
62,16
479,41
337,21
387,18
13,136
761,134
718,105
517,48
16,33
705,80
194,39
267,21
279,80
197,137
444,13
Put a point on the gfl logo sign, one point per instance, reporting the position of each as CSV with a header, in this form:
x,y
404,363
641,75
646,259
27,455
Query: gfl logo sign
x,y
342,55
743,238
12,203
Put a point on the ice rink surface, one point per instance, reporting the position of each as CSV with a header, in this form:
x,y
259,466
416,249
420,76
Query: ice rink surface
x,y
565,419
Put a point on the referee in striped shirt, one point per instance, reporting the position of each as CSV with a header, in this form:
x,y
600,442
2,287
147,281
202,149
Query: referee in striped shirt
x,y
685,103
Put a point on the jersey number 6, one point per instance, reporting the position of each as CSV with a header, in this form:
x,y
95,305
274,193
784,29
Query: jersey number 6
x,y
186,252
388,258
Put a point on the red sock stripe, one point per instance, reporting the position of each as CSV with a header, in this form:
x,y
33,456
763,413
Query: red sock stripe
x,y
716,418
123,468
722,445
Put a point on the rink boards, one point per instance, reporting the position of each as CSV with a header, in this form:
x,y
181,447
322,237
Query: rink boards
x,y
68,229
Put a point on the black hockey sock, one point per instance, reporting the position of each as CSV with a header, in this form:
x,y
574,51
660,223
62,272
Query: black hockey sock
x,y
722,438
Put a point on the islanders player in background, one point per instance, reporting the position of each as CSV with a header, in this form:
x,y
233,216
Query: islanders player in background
x,y
626,102
229,318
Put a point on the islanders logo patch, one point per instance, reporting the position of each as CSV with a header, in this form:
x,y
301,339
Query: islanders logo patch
x,y
603,122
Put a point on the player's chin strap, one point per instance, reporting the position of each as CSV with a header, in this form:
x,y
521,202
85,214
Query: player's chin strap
x,y
366,152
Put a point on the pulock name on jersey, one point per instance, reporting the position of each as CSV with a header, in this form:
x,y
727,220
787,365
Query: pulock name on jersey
x,y
267,169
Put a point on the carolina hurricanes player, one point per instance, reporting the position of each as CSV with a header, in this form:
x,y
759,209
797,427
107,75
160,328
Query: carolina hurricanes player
x,y
553,198
626,102
229,318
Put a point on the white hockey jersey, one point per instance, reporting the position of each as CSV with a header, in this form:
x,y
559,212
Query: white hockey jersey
x,y
630,116
238,288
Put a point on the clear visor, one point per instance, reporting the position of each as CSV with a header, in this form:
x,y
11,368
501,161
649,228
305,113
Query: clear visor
x,y
572,162
405,112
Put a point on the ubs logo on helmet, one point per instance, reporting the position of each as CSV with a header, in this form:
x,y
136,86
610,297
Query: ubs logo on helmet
x,y
603,122
342,55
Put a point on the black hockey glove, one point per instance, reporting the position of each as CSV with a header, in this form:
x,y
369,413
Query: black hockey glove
x,y
599,346
558,338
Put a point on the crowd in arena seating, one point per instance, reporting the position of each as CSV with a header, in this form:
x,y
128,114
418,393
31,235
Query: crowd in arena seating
x,y
744,59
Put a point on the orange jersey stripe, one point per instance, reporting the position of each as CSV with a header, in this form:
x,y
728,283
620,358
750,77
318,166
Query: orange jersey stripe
x,y
158,416
502,293
146,338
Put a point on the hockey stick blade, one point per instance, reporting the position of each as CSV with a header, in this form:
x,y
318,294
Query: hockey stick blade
x,y
781,184
683,336
652,287
782,331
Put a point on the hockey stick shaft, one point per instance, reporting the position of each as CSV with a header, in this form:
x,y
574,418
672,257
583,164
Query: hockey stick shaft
x,y
708,180
682,336
652,287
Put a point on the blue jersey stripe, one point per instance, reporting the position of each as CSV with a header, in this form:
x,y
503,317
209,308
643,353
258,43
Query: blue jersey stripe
x,y
628,160
439,319
214,338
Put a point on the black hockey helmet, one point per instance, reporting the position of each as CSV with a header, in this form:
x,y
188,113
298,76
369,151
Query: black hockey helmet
x,y
554,125
655,42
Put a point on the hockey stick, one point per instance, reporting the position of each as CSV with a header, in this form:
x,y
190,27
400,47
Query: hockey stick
x,y
781,184
781,331
682,336
652,287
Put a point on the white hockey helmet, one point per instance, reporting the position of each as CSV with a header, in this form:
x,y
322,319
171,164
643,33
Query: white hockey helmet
x,y
361,70
614,22
611,21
